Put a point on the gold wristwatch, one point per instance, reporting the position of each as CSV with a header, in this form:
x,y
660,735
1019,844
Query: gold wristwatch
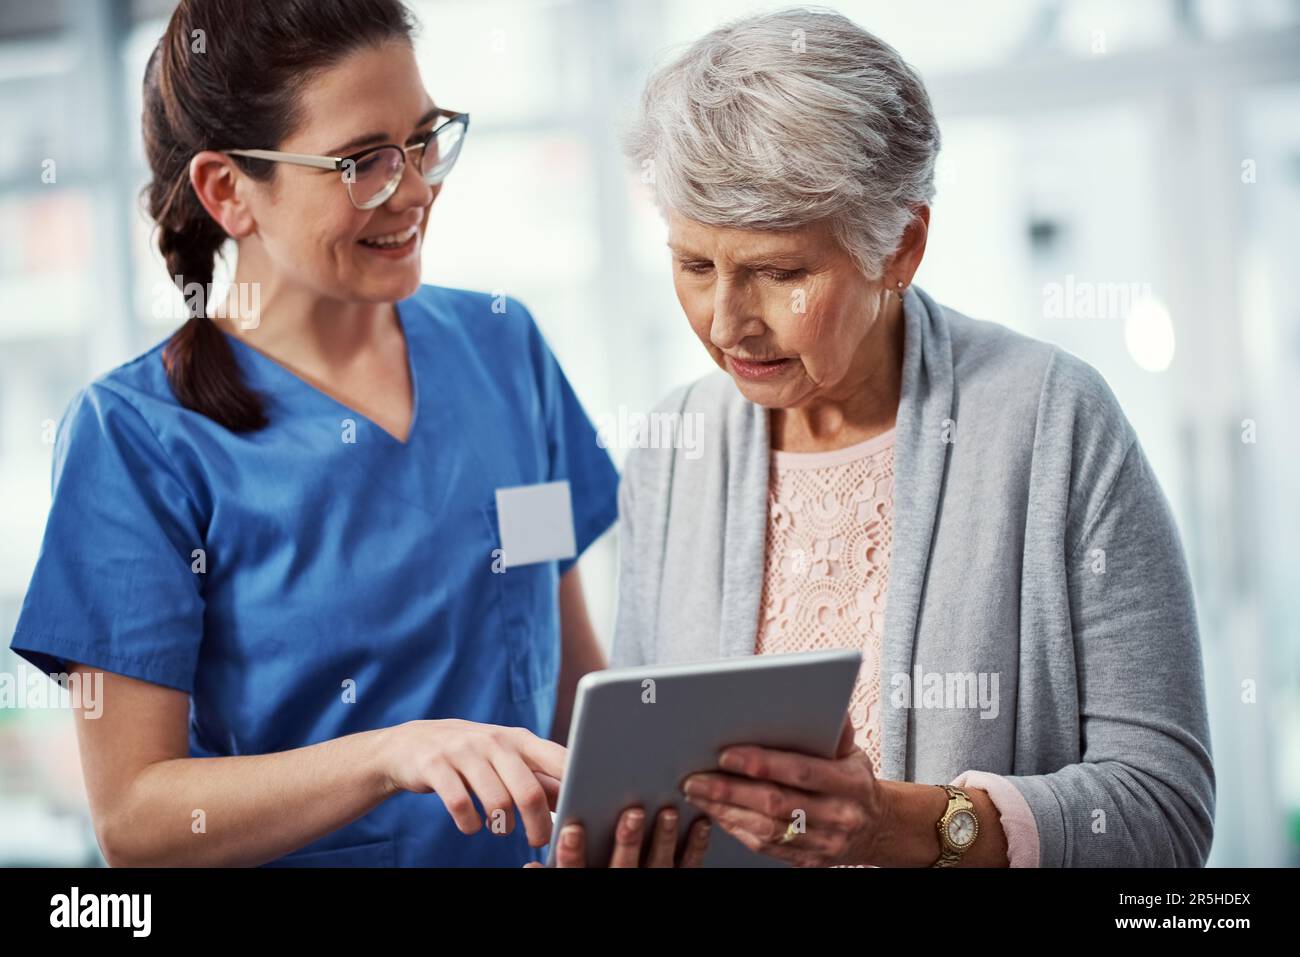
x,y
958,827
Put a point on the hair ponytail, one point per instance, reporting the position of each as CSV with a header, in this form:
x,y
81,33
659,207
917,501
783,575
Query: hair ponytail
x,y
241,92
199,361
200,364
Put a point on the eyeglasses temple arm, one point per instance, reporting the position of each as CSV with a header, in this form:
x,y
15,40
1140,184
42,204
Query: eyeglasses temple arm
x,y
297,159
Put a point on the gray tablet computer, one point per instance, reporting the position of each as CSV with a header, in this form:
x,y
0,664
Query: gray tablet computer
x,y
637,733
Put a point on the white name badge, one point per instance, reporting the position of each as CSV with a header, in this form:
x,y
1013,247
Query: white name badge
x,y
535,523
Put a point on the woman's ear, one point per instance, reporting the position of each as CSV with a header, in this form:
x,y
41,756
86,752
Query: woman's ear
x,y
216,179
907,258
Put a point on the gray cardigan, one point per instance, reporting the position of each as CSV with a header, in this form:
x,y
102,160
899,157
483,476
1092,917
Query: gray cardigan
x,y
1032,546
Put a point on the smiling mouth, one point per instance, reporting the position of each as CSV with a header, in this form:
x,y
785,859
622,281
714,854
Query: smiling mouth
x,y
392,240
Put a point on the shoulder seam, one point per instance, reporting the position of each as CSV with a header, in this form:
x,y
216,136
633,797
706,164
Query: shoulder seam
x,y
162,449
1090,524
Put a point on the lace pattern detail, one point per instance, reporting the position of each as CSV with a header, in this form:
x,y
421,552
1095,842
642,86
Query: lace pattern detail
x,y
826,570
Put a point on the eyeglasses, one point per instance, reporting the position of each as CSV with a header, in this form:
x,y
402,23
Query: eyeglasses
x,y
373,174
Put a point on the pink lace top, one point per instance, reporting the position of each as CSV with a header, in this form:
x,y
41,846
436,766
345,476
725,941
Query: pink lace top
x,y
826,578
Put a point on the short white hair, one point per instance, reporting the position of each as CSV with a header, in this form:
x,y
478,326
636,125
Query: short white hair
x,y
785,119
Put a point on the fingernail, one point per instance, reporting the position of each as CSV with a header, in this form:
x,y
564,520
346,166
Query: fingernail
x,y
636,818
692,785
668,821
569,837
729,761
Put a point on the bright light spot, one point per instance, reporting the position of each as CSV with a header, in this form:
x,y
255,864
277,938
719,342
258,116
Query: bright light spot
x,y
1149,335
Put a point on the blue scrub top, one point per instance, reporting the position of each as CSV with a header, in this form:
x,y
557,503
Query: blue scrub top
x,y
328,561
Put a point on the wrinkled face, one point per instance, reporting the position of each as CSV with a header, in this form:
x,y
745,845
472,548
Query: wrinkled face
x,y
787,314
309,229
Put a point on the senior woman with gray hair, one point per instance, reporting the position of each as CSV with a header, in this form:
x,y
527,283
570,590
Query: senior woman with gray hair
x,y
862,443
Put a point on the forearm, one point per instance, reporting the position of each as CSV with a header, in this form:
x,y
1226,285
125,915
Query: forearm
x,y
910,838
246,810
565,693
1116,814
580,652
571,673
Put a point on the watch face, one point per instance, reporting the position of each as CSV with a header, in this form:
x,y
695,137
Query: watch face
x,y
961,828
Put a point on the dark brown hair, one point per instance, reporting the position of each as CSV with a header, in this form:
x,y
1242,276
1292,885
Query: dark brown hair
x,y
227,74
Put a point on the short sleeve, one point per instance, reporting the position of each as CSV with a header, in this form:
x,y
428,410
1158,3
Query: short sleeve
x,y
575,452
117,583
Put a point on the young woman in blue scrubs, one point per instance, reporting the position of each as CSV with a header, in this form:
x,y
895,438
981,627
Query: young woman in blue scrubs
x,y
277,534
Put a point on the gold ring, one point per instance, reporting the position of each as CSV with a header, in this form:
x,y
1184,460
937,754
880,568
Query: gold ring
x,y
789,834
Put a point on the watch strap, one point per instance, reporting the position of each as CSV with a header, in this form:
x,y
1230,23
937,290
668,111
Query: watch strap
x,y
957,801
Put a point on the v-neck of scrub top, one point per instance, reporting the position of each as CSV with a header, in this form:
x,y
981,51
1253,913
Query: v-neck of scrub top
x,y
409,470
258,356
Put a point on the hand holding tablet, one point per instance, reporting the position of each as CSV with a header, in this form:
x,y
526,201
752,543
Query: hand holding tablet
x,y
639,732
